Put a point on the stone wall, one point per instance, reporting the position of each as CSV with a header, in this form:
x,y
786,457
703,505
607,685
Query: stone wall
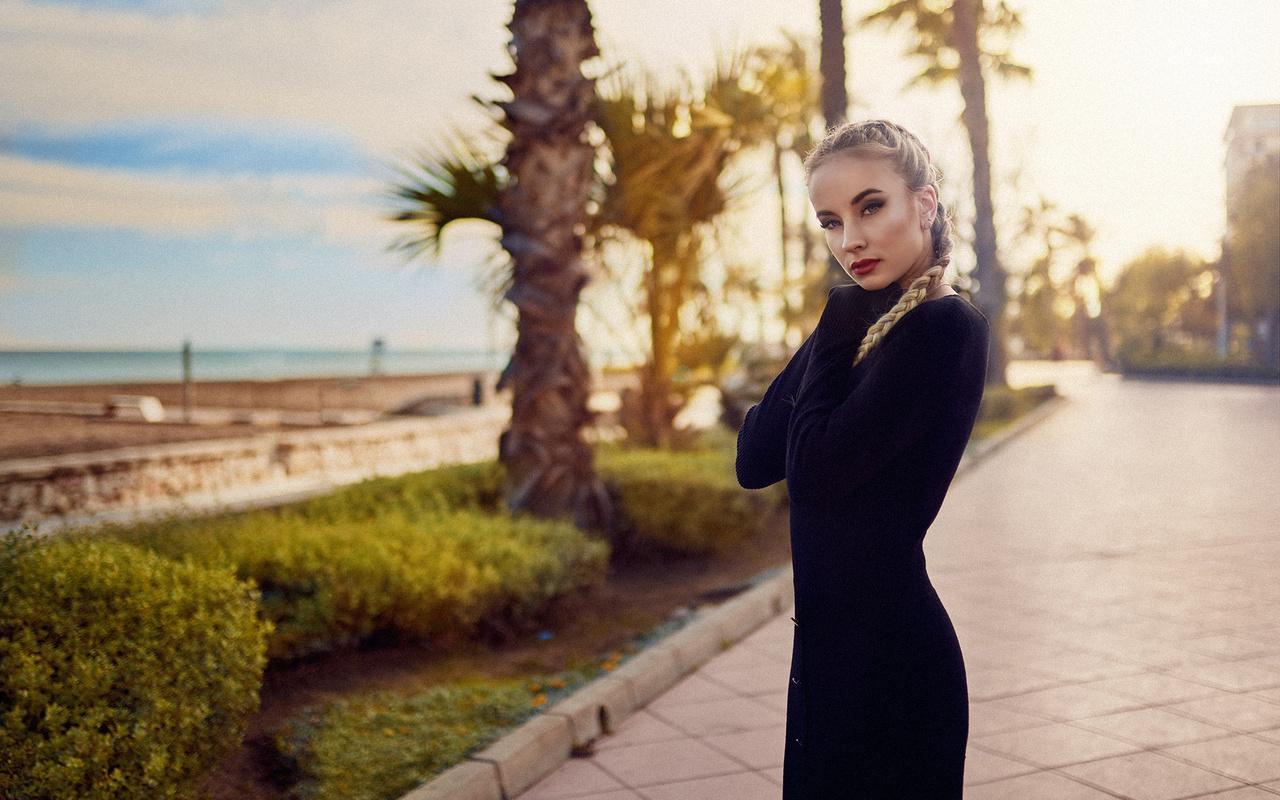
x,y
131,481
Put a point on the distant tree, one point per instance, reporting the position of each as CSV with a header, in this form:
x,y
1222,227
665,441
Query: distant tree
x,y
1055,306
1252,260
789,94
668,148
538,195
958,40
1160,307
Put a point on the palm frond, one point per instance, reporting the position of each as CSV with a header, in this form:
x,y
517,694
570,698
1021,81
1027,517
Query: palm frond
x,y
457,181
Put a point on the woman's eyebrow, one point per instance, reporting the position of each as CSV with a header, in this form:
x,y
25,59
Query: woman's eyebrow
x,y
856,199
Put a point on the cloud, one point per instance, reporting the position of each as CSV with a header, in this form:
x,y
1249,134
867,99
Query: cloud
x,y
383,73
201,146
334,209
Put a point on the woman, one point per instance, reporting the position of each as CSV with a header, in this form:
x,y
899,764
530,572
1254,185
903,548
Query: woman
x,y
867,424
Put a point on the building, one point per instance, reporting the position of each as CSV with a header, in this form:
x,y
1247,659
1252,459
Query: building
x,y
1253,133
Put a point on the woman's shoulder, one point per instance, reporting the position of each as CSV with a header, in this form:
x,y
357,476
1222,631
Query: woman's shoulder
x,y
952,313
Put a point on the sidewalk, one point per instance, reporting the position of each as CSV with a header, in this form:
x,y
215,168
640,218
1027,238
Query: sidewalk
x,y
1112,574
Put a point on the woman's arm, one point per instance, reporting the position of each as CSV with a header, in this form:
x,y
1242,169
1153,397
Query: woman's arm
x,y
838,439
762,439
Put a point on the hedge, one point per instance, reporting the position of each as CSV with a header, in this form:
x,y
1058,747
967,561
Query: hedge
x,y
685,502
122,674
329,582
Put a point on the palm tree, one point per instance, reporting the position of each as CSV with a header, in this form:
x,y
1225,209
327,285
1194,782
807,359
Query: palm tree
x,y
667,153
539,198
949,38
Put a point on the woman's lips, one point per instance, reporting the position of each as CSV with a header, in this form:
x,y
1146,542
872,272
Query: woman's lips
x,y
864,266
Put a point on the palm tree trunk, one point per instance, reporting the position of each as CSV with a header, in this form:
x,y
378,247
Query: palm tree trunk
x,y
990,297
835,93
550,165
831,62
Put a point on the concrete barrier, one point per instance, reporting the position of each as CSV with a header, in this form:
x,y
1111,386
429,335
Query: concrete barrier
x,y
138,481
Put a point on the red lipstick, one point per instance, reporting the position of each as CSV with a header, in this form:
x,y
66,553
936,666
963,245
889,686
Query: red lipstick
x,y
864,266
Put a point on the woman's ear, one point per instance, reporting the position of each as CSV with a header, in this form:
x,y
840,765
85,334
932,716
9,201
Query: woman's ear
x,y
928,200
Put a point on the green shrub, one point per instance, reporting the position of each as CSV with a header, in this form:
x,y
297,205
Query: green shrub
x,y
122,674
473,487
329,582
684,501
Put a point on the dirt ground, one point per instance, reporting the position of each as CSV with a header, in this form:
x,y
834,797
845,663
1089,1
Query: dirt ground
x,y
24,435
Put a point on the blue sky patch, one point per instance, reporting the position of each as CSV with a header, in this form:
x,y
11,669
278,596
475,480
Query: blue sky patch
x,y
194,147
155,8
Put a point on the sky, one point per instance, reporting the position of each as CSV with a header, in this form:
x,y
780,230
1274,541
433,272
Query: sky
x,y
218,170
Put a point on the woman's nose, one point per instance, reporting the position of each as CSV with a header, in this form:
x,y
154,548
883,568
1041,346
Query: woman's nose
x,y
853,239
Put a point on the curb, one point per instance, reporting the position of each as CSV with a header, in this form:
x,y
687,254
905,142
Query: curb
x,y
536,748
539,746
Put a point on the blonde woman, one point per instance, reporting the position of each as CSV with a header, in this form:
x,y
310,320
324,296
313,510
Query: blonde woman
x,y
867,424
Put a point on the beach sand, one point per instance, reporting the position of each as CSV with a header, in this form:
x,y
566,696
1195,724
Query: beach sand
x,y
26,435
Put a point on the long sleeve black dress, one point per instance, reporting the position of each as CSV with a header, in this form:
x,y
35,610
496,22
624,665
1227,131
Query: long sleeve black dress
x,y
878,705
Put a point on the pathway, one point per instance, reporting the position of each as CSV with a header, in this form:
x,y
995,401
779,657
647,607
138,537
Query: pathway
x,y
1112,574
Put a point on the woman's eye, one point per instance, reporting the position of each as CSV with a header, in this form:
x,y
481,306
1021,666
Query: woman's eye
x,y
828,224
872,207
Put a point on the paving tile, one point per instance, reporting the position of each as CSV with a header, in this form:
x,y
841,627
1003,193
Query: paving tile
x,y
1246,758
1227,647
641,727
1036,786
737,659
748,672
1271,695
695,688
1155,688
646,764
1229,675
983,767
621,794
1243,793
774,775
1065,703
577,777
720,716
1269,661
1152,728
1053,745
1240,712
1268,736
742,786
758,749
1081,667
989,684
988,718
1149,776
777,700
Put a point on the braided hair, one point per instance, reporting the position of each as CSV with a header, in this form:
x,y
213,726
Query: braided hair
x,y
910,160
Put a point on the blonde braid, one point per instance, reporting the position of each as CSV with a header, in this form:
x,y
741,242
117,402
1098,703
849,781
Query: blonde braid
x,y
911,298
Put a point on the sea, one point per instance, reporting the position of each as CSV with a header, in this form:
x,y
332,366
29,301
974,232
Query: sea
x,y
63,367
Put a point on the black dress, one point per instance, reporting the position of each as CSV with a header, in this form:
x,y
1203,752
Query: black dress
x,y
877,705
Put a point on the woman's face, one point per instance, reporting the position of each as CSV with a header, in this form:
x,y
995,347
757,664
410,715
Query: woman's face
x,y
877,228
